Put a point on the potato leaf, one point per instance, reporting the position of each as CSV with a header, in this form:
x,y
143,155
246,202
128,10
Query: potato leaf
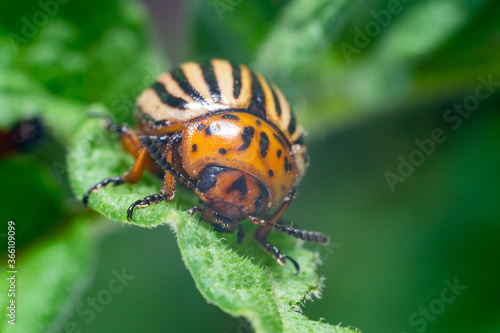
x,y
241,280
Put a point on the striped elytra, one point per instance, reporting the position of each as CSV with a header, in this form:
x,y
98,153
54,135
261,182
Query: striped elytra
x,y
228,134
195,91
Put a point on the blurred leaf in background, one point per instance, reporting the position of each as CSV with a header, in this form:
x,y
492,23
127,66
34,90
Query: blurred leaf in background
x,y
56,58
368,79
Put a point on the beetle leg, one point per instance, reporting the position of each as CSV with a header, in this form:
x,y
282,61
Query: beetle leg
x,y
130,143
150,199
194,210
261,237
168,189
310,236
154,145
164,157
158,152
115,180
132,176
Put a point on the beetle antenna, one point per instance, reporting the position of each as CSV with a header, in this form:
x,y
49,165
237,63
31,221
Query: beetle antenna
x,y
310,236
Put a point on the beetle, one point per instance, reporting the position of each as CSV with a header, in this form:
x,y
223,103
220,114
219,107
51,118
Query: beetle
x,y
223,131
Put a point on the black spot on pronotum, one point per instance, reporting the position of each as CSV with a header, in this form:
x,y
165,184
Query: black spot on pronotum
x,y
194,147
222,151
264,144
278,153
200,126
283,188
271,173
240,185
230,116
258,122
288,166
166,98
208,178
213,128
247,136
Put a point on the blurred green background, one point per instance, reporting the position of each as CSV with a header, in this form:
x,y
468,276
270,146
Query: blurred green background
x,y
366,78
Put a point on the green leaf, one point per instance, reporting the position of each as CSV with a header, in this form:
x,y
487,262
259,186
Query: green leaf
x,y
241,280
50,276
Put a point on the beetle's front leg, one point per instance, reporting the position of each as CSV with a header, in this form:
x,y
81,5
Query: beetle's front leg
x,y
150,199
165,158
132,176
261,237
153,144
131,143
115,180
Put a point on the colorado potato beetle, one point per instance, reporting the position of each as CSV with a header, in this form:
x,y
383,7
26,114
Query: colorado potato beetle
x,y
223,131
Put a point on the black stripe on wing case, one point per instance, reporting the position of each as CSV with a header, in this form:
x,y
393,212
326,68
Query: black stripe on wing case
x,y
276,103
166,98
293,123
258,103
236,81
179,76
211,80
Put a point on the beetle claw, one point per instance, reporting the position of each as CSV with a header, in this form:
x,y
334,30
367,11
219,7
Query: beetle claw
x,y
194,210
150,199
297,267
115,180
